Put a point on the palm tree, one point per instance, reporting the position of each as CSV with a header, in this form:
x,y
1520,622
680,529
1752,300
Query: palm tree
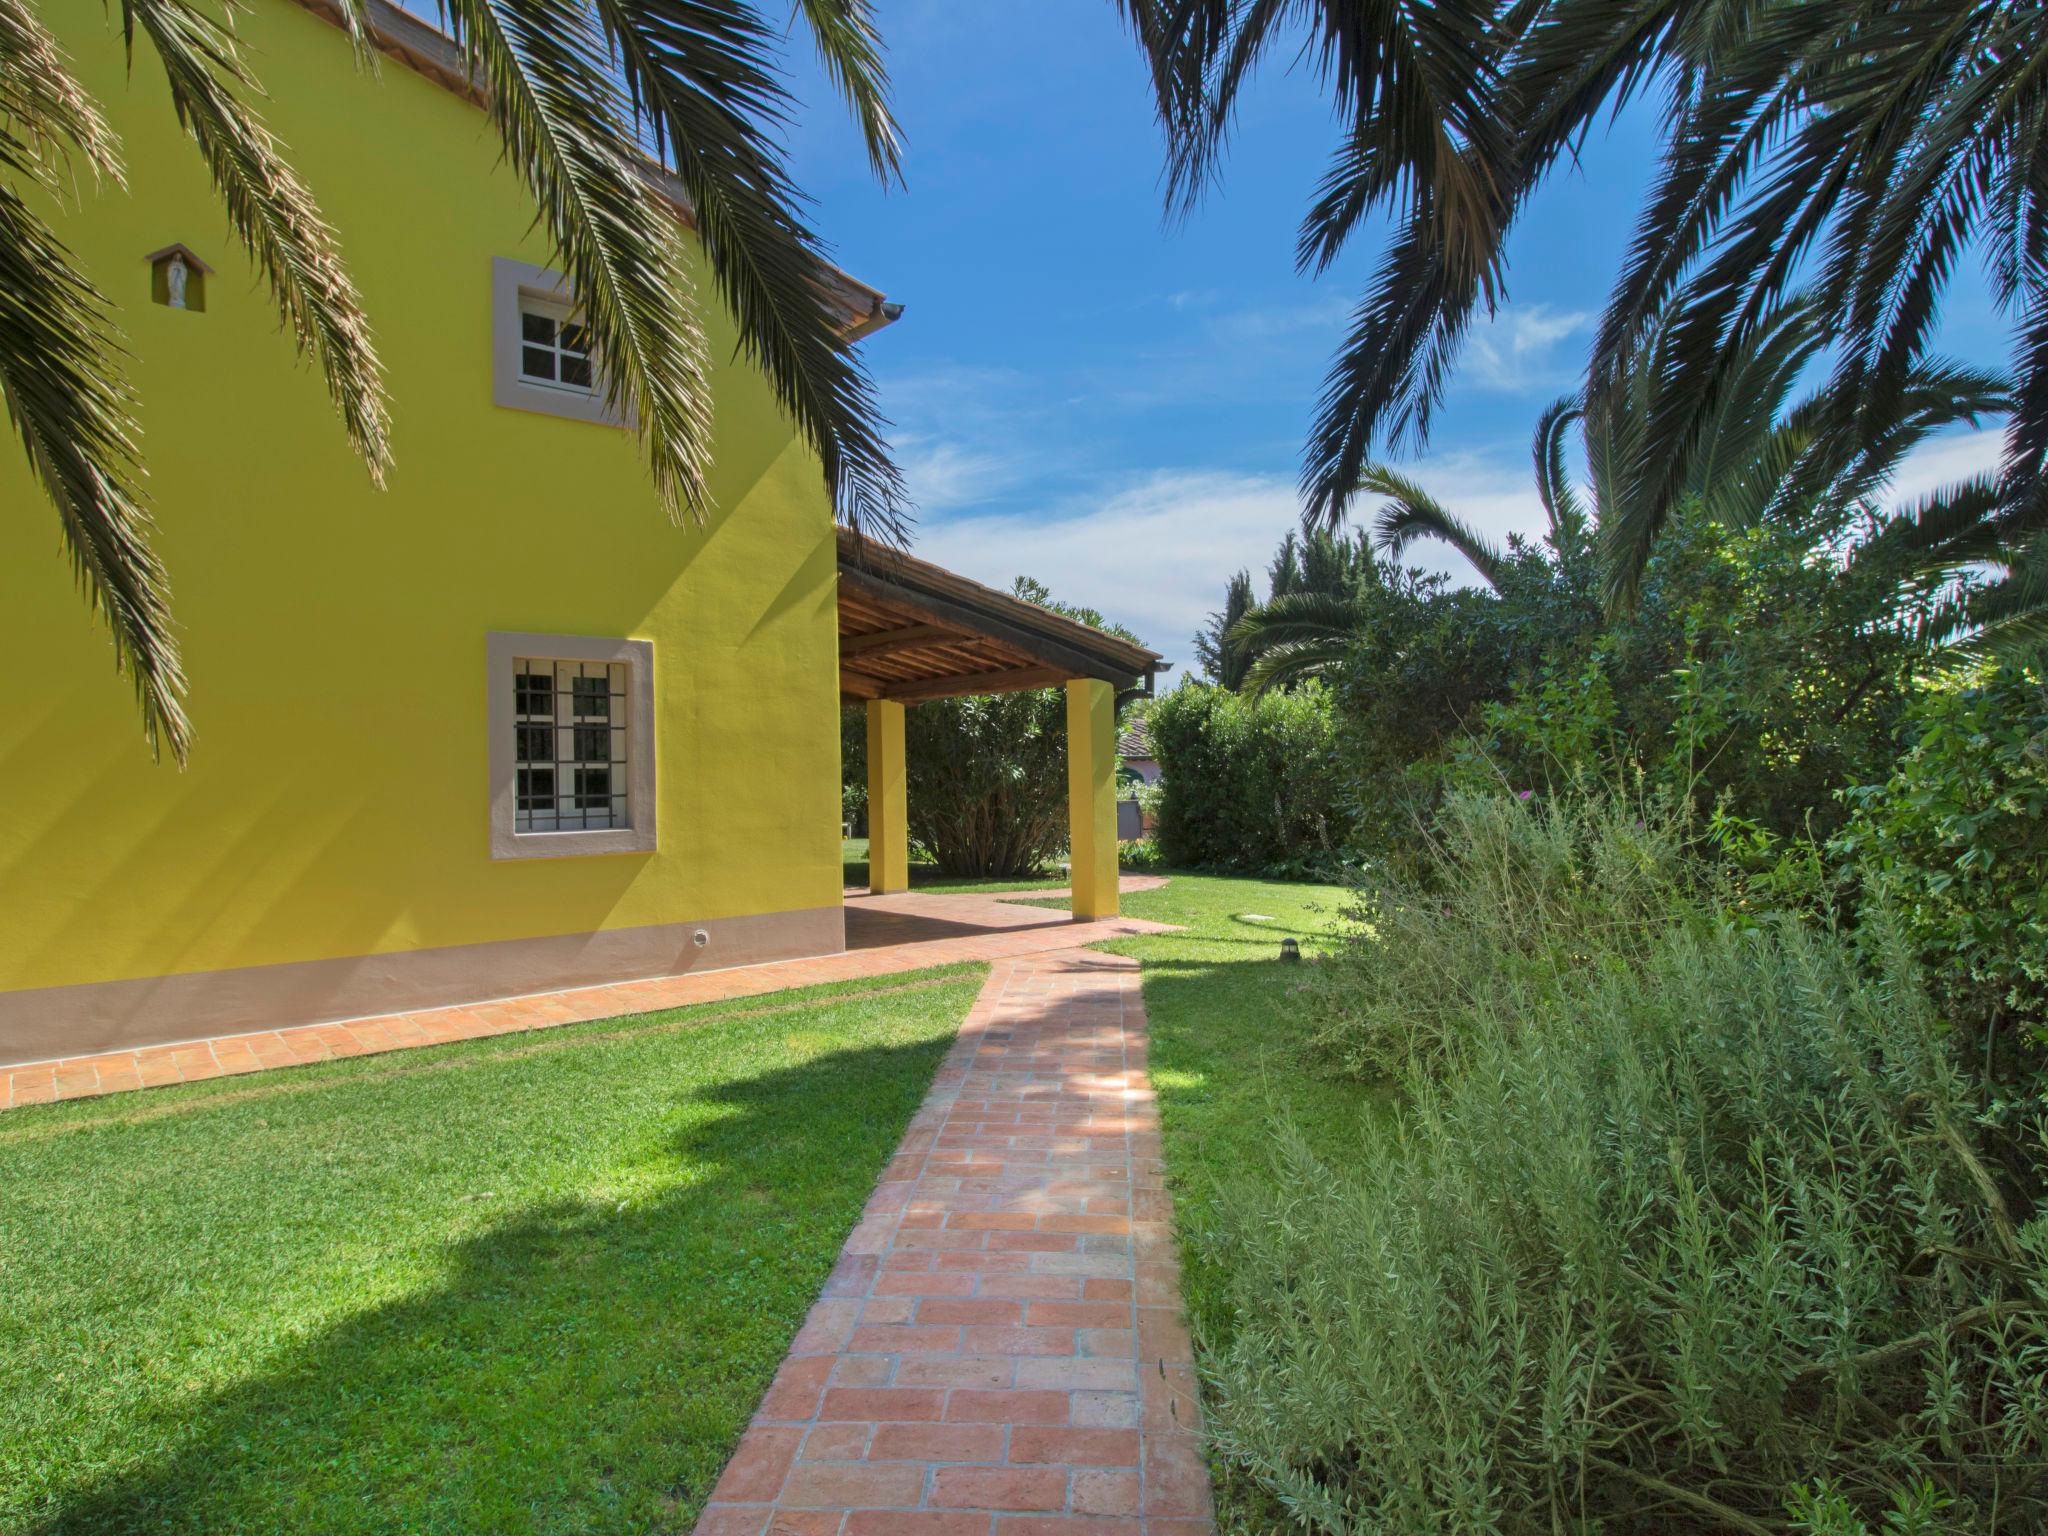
x,y
582,93
1860,145
1760,455
1761,458
1297,636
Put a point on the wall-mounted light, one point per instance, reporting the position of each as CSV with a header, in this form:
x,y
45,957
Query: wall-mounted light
x,y
177,277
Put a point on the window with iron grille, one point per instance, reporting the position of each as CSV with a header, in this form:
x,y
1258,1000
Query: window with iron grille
x,y
570,747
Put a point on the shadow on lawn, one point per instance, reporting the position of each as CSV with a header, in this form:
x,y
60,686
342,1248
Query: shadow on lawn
x,y
584,1367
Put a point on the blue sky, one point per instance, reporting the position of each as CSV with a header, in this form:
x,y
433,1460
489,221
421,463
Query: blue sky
x,y
1115,405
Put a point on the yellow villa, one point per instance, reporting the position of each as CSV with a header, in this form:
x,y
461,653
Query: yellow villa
x,y
501,728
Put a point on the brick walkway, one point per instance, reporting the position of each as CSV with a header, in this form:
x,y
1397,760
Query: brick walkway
x,y
885,935
1000,1350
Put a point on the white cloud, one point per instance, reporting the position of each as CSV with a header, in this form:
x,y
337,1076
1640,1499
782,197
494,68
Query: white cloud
x,y
1939,463
1277,321
943,476
1513,350
949,390
1153,554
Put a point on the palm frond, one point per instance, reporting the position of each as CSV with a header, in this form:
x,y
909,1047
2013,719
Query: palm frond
x,y
1858,443
61,375
1561,504
272,212
1742,491
1759,372
2008,616
563,120
1293,661
1319,615
1410,513
1940,535
850,48
698,77
49,113
1295,636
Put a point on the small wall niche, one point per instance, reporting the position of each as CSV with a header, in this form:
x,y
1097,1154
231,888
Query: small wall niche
x,y
177,277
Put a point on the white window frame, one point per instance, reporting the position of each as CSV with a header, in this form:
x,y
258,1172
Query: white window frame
x,y
503,650
516,287
562,316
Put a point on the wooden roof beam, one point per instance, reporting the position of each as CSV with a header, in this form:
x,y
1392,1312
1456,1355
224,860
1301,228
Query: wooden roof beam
x,y
1014,680
858,685
910,638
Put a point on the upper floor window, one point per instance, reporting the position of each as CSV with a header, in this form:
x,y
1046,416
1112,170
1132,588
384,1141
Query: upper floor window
x,y
554,346
541,354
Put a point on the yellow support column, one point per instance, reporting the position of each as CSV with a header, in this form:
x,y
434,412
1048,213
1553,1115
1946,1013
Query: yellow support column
x,y
888,831
1091,796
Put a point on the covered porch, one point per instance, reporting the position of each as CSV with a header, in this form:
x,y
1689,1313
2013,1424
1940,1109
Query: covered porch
x,y
911,631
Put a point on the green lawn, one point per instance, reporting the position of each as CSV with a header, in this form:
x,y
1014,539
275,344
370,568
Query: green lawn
x,y
1224,1062
527,1284
926,877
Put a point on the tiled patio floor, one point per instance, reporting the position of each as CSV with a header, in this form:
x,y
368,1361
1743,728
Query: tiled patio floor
x,y
1000,1351
885,935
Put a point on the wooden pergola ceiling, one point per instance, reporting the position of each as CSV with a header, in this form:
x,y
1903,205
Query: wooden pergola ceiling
x,y
910,630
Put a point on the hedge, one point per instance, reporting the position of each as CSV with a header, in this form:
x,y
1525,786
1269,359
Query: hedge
x,y
1250,784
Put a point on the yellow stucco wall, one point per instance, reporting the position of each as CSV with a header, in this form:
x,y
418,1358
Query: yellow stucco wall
x,y
336,800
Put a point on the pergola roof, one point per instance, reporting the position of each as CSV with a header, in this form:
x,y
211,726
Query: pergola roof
x,y
910,630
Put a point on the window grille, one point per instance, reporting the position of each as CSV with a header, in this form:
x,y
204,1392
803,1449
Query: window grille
x,y
570,745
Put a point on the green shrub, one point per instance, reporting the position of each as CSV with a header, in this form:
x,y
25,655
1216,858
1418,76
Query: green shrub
x,y
1139,855
1249,784
986,780
1699,1234
1517,897
1955,842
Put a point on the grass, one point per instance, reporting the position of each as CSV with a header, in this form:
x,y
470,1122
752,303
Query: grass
x,y
926,877
1226,1068
534,1283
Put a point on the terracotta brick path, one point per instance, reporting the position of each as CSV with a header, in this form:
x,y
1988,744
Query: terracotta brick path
x,y
885,935
1000,1350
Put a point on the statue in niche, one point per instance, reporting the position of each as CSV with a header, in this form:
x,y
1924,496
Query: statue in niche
x,y
178,278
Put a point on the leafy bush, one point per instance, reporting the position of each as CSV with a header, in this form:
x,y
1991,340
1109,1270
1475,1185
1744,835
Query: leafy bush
x,y
1955,841
1249,784
1139,855
1423,665
1699,1233
1518,897
1751,677
987,780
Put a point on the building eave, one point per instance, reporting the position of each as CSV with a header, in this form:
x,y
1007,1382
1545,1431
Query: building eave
x,y
428,51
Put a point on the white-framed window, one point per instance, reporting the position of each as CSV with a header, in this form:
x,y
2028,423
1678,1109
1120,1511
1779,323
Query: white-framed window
x,y
554,346
571,722
542,359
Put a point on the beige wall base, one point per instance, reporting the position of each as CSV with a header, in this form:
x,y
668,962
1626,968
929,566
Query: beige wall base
x,y
44,1023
